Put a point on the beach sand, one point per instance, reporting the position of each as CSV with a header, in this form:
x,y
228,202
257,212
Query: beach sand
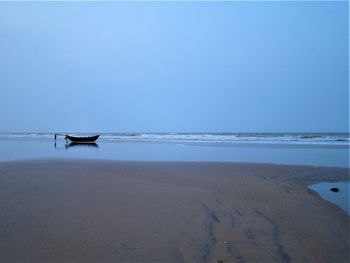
x,y
109,211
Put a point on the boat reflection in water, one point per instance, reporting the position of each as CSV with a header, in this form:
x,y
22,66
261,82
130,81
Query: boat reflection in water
x,y
81,144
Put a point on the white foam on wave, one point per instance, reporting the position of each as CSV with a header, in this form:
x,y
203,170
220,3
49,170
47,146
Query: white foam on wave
x,y
296,139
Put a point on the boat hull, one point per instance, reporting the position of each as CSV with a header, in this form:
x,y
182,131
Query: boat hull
x,y
82,139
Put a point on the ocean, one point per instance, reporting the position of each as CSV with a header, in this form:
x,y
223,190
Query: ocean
x,y
318,149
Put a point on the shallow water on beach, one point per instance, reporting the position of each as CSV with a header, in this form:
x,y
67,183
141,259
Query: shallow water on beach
x,y
20,147
340,198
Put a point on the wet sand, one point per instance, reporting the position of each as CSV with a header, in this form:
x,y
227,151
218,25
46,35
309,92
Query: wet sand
x,y
108,211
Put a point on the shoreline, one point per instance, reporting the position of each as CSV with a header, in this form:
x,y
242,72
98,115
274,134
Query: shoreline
x,y
134,151
101,210
155,162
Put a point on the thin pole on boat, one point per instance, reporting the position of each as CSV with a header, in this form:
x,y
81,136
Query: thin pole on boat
x,y
60,134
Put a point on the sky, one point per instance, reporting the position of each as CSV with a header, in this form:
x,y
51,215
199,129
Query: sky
x,y
174,66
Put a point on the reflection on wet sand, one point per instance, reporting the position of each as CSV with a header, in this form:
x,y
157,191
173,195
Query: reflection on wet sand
x,y
79,145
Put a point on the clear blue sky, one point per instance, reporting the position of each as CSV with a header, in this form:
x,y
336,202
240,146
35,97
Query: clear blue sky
x,y
174,66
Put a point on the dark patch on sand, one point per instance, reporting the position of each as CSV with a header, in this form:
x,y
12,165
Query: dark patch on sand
x,y
234,253
251,236
284,257
211,220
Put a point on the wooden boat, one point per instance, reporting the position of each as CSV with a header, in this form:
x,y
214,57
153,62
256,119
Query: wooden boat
x,y
82,139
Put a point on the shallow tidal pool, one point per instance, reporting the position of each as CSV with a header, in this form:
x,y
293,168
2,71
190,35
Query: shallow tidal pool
x,y
340,198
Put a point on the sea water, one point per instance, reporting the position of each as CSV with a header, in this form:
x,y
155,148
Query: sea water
x,y
318,149
340,198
